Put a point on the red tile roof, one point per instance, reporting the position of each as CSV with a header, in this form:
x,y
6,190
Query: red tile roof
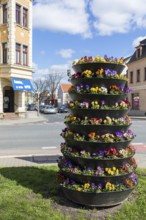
x,y
65,87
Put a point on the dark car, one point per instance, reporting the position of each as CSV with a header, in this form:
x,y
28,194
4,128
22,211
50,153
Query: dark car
x,y
30,107
63,109
42,107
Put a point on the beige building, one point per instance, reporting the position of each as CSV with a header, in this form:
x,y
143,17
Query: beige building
x,y
137,77
15,55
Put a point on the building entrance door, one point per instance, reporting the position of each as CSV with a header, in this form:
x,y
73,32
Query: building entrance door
x,y
8,100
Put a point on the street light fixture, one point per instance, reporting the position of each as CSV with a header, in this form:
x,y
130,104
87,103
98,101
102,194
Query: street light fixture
x,y
38,103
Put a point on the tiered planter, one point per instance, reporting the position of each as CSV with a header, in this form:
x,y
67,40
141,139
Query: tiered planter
x,y
91,189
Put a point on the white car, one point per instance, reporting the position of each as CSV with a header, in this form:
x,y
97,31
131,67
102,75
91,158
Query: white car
x,y
49,109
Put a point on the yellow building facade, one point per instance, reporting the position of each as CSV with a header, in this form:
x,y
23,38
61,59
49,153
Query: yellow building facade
x,y
15,55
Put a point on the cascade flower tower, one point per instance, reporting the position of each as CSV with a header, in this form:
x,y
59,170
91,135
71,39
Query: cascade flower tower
x,y
97,167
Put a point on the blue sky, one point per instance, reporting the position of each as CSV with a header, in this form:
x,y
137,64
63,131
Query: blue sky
x,y
66,30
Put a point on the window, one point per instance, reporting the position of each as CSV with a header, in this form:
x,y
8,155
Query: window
x,y
139,52
25,55
5,14
4,48
131,77
135,101
145,73
25,17
18,14
138,76
18,53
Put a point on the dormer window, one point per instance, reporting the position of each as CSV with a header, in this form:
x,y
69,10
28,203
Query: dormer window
x,y
138,52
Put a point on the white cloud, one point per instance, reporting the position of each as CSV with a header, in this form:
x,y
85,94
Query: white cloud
x,y
66,53
118,16
62,16
34,65
106,17
137,41
56,68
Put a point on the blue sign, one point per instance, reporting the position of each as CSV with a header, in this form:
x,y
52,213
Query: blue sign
x,y
21,84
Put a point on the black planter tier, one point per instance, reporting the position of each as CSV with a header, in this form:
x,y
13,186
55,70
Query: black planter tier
x,y
109,99
93,163
95,66
80,178
103,199
99,129
93,147
94,81
98,113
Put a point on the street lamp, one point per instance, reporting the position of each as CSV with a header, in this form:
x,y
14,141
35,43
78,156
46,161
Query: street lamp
x,y
38,112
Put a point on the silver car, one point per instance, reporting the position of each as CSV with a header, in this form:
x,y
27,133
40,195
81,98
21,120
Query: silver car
x,y
49,109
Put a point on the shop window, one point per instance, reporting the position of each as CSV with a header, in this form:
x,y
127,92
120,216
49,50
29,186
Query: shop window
x,y
4,13
135,101
25,55
25,17
131,77
4,50
138,76
18,54
18,14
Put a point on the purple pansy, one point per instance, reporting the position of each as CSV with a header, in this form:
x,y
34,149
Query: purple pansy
x,y
92,185
119,134
100,186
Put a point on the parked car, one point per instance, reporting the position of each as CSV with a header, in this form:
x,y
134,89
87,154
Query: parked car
x,y
30,107
42,107
49,109
63,109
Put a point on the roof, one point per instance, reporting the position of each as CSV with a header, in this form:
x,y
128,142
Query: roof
x,y
126,59
143,41
65,87
143,55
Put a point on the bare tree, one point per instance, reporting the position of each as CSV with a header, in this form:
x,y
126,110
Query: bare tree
x,y
52,81
40,88
48,84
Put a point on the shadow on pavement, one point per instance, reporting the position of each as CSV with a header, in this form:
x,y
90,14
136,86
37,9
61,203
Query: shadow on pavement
x,y
40,159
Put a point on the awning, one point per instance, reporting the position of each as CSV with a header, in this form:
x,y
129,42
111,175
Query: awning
x,y
21,84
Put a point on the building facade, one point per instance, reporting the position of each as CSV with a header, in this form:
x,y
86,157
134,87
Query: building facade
x,y
137,77
63,95
15,54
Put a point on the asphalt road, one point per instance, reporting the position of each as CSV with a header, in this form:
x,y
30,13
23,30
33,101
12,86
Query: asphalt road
x,y
42,138
139,128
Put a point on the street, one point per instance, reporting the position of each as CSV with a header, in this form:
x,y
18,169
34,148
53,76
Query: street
x,y
44,137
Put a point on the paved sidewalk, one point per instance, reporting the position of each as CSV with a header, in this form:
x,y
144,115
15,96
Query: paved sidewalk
x,y
37,119
27,161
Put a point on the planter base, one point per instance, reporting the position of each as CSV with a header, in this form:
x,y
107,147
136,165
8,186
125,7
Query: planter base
x,y
105,199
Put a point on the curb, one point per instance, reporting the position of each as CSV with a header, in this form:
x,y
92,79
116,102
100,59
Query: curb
x,y
137,117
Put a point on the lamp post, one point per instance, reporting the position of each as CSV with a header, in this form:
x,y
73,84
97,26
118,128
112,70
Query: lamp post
x,y
38,112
